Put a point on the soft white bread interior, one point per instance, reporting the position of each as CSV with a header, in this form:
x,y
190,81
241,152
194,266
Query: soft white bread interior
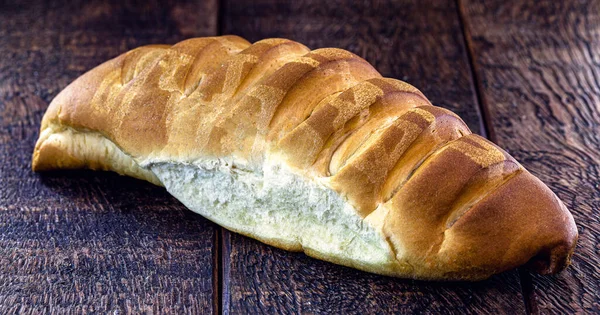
x,y
310,151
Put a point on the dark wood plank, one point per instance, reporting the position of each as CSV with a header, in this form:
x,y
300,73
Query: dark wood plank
x,y
90,241
539,66
411,40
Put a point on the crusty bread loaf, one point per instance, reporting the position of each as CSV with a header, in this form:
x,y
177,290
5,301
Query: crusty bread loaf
x,y
310,151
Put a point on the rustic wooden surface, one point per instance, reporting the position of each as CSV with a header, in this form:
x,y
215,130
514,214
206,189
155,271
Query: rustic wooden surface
x,y
539,70
91,241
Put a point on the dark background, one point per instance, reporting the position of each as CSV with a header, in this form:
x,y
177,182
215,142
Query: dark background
x,y
525,74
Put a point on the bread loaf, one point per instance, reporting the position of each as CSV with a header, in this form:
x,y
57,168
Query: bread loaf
x,y
310,151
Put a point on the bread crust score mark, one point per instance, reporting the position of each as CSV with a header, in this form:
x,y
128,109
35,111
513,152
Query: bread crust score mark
x,y
310,151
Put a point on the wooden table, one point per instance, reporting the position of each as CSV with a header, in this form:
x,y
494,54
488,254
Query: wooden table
x,y
526,74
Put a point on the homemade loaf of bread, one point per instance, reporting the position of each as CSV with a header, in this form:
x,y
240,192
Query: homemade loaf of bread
x,y
310,151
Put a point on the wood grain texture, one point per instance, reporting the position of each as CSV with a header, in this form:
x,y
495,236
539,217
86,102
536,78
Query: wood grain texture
x,y
73,242
418,42
539,66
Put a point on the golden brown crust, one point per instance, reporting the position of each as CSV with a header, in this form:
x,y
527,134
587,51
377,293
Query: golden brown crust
x,y
451,205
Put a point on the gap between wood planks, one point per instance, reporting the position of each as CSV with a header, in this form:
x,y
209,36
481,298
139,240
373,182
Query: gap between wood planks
x,y
218,270
487,131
